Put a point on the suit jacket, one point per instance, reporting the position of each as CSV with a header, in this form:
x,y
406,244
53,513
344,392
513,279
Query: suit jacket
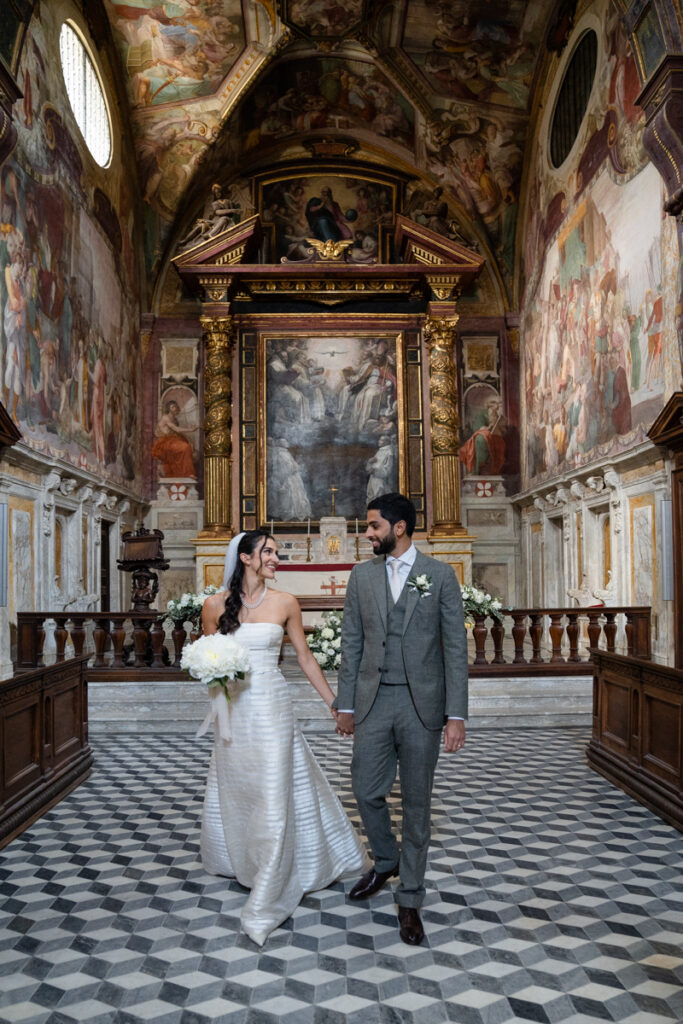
x,y
434,643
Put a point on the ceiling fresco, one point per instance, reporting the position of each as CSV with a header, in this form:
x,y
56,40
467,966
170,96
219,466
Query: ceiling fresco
x,y
176,51
483,53
440,90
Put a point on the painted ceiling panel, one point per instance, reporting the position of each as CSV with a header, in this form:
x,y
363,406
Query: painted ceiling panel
x,y
484,53
176,50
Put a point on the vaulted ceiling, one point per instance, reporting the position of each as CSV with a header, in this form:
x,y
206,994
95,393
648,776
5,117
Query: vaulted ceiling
x,y
438,90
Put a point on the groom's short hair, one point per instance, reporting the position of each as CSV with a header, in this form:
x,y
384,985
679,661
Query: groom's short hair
x,y
394,507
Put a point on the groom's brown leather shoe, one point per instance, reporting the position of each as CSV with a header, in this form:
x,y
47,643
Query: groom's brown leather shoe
x,y
411,929
371,882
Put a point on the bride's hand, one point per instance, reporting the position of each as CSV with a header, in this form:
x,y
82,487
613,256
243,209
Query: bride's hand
x,y
334,713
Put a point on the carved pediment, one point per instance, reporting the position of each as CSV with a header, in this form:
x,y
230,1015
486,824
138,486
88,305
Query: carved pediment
x,y
416,243
238,243
222,268
667,429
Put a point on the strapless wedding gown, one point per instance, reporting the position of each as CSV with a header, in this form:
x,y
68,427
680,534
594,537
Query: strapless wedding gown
x,y
271,819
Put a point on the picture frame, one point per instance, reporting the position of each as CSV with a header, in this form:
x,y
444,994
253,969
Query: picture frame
x,y
331,424
287,459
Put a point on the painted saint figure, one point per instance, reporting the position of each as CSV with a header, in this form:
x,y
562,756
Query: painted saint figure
x,y
484,452
171,447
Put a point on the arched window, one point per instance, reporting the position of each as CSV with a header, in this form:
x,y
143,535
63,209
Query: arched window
x,y
572,99
86,95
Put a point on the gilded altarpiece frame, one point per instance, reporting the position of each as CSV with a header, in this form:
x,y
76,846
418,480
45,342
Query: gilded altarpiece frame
x,y
362,428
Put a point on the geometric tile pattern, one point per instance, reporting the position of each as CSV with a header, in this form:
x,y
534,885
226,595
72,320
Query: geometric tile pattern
x,y
551,897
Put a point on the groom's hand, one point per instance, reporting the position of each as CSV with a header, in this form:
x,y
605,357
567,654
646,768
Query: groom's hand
x,y
344,724
453,735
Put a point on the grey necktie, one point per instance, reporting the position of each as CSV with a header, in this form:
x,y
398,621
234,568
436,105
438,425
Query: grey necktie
x,y
395,583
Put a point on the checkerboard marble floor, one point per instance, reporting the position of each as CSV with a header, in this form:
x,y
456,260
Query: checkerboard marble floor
x,y
551,897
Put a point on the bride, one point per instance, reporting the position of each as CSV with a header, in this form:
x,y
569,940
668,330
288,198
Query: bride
x,y
271,819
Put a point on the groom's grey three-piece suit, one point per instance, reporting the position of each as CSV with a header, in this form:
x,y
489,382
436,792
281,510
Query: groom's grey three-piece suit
x,y
403,671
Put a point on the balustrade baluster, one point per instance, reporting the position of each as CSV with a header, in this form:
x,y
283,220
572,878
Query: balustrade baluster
x,y
594,627
479,632
610,629
158,635
535,632
140,641
573,636
518,635
498,635
101,638
78,634
118,636
556,632
61,634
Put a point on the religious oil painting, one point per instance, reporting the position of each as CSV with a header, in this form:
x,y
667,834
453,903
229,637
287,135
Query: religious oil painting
x,y
327,207
332,435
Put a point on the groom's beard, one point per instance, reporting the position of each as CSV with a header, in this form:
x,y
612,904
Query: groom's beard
x,y
385,546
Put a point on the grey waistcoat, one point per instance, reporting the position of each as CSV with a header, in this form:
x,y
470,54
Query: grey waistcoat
x,y
393,670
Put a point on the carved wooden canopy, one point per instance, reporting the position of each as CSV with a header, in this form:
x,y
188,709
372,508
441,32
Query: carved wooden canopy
x,y
667,429
223,269
9,432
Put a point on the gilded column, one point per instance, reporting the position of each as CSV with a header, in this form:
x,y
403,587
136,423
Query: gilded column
x,y
439,334
218,333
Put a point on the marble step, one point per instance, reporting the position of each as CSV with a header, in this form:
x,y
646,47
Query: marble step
x,y
497,702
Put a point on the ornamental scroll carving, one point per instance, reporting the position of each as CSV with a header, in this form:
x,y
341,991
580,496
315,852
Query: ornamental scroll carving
x,y
439,333
218,338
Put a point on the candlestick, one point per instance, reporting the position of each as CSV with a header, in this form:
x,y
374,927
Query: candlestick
x,y
308,549
357,548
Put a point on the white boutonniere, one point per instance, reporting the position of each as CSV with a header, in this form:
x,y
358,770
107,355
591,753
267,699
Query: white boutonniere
x,y
421,584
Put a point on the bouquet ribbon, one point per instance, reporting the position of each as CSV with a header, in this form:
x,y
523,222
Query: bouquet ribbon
x,y
218,713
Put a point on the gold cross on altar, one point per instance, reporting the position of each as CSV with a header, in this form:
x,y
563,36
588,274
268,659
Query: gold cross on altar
x,y
333,490
333,586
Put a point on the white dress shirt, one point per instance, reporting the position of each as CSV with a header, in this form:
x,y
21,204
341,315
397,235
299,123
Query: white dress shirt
x,y
405,564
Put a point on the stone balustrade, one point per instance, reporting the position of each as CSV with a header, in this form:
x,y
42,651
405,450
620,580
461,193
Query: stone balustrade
x,y
527,641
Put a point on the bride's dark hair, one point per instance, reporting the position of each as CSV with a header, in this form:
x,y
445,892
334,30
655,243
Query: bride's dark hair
x,y
229,620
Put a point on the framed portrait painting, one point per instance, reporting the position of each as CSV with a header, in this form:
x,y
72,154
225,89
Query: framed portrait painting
x,y
330,423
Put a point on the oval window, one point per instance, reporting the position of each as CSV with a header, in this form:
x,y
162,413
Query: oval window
x,y
572,99
86,95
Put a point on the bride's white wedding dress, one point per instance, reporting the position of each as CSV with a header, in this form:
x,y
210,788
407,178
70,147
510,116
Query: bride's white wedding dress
x,y
271,819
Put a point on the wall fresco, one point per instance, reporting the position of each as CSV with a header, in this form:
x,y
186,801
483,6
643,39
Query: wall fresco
x,y
598,325
69,363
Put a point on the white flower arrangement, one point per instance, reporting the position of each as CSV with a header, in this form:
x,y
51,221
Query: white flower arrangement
x,y
215,660
188,607
420,584
325,641
478,602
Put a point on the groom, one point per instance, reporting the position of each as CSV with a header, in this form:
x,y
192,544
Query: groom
x,y
403,674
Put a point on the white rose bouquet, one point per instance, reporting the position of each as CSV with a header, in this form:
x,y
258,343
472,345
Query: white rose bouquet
x,y
478,602
188,607
216,660
325,641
